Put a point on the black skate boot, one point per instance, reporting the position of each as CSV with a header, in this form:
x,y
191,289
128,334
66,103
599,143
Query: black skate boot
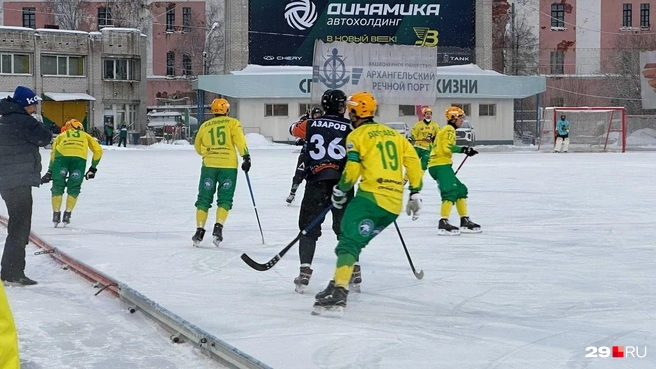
x,y
56,217
198,236
446,229
467,226
19,281
356,279
331,300
290,198
303,278
67,218
218,234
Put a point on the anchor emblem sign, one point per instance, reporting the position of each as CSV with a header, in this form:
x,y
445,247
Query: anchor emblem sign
x,y
334,74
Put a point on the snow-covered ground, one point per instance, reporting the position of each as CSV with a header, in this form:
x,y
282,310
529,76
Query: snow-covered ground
x,y
566,261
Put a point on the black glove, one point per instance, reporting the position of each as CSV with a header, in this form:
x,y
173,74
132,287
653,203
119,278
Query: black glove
x,y
469,151
91,173
46,177
246,164
300,142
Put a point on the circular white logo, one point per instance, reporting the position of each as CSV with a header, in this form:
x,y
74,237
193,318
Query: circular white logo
x,y
301,14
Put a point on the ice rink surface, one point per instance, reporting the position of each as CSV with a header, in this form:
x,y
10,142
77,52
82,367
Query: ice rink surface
x,y
566,260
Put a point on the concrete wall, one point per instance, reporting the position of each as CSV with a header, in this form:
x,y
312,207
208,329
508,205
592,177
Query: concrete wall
x,y
94,47
494,129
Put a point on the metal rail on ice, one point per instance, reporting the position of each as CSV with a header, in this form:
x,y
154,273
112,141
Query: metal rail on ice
x,y
182,330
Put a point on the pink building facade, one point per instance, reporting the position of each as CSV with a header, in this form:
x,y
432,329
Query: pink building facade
x,y
584,43
175,31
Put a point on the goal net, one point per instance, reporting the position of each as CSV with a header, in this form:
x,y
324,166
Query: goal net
x,y
591,129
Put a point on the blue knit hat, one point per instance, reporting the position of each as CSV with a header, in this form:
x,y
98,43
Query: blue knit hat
x,y
24,96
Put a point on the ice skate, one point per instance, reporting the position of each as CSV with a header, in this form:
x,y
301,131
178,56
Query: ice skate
x,y
356,279
303,278
56,218
446,229
290,198
467,226
217,234
331,301
67,218
198,237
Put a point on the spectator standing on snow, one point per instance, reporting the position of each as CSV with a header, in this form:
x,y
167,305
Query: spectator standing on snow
x,y
20,169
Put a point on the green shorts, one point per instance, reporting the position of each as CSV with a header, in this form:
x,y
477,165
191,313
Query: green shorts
x,y
362,221
67,175
451,189
221,181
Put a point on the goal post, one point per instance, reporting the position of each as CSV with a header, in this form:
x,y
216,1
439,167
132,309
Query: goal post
x,y
591,128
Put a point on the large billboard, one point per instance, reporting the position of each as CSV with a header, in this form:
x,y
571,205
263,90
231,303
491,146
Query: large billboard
x,y
282,32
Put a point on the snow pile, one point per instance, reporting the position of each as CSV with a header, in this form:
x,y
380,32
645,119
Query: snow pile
x,y
642,137
175,145
257,140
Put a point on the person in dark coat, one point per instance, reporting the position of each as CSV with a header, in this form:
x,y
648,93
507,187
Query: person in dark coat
x,y
20,169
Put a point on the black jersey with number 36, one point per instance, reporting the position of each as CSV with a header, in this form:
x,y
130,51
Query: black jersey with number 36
x,y
326,151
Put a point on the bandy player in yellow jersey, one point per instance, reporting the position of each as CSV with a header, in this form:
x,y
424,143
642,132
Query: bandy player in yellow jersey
x,y
216,141
377,154
68,159
423,134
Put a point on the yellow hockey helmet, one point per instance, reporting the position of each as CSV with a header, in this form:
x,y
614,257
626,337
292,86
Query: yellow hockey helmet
x,y
220,106
361,105
74,124
454,112
425,110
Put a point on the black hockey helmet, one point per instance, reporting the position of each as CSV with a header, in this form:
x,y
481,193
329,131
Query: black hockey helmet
x,y
316,110
333,101
563,117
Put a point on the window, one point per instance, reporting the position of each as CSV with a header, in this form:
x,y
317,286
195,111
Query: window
x,y
170,18
186,65
105,17
407,110
644,15
29,17
557,62
558,101
14,63
170,63
304,108
465,107
53,65
121,70
487,110
276,110
627,15
186,19
558,15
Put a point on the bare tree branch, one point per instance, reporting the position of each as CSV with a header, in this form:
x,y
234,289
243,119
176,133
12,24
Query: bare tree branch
x,y
68,14
194,40
130,14
623,74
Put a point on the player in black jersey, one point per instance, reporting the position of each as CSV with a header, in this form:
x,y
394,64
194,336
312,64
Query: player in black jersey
x,y
325,138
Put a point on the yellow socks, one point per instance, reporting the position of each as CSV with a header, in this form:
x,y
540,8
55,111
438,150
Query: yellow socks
x,y
445,209
221,215
343,275
56,202
201,218
461,205
70,203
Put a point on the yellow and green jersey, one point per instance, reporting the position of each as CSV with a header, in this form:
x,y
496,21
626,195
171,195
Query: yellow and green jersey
x,y
8,336
76,143
423,134
445,147
378,154
216,141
